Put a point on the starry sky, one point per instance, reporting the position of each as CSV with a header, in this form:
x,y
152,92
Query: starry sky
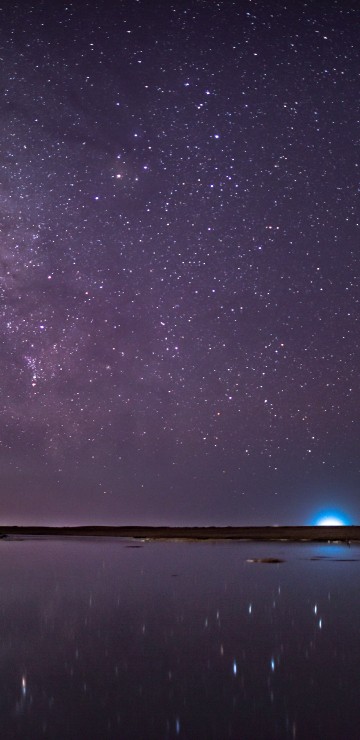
x,y
179,261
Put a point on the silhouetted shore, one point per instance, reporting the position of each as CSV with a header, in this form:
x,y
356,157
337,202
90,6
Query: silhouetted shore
x,y
263,534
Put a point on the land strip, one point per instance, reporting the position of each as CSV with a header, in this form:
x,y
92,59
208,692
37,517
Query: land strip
x,y
262,534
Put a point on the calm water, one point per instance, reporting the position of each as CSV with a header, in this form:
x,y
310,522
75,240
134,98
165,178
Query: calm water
x,y
101,639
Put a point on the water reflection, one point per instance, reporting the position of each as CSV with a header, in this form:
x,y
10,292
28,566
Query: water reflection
x,y
99,640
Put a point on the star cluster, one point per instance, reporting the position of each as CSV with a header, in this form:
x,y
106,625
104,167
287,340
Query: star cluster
x,y
179,260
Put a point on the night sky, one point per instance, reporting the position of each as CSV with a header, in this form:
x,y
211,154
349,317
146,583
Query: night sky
x,y
179,261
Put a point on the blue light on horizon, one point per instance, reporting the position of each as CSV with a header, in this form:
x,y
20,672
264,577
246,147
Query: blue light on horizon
x,y
331,518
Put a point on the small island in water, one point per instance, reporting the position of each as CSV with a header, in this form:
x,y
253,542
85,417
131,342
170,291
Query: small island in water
x,y
345,534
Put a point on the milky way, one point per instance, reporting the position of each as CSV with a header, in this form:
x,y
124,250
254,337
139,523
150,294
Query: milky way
x,y
179,261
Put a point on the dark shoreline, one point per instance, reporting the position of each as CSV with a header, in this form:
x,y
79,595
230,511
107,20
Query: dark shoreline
x,y
345,534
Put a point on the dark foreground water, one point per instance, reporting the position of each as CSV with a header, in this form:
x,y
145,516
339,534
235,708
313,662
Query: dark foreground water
x,y
104,639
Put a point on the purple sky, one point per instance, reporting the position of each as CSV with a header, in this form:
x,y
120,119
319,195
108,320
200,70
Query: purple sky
x,y
179,262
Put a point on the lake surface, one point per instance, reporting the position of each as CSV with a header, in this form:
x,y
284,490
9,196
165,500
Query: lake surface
x,y
151,641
